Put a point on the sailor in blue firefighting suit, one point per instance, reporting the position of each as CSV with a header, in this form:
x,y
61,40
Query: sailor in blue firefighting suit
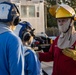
x,y
32,63
11,58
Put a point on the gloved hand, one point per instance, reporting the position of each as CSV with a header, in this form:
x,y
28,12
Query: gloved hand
x,y
37,53
70,53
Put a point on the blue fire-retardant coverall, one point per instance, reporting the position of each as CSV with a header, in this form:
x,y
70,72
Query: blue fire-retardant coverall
x,y
11,57
32,63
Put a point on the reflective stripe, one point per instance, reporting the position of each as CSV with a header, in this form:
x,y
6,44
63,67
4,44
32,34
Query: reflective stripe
x,y
26,53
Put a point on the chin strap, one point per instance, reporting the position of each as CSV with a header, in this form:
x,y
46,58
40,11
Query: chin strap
x,y
70,24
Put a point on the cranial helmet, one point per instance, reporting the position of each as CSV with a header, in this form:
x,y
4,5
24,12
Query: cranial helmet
x,y
25,30
26,24
9,13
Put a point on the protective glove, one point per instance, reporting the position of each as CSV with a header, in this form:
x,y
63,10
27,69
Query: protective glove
x,y
70,53
37,53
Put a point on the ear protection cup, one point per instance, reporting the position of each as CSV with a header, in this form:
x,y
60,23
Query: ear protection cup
x,y
9,13
26,36
16,21
16,18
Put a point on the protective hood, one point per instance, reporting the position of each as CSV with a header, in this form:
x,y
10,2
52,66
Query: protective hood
x,y
67,39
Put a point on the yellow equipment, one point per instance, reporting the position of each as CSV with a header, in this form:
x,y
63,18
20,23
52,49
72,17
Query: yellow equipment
x,y
62,11
70,53
52,10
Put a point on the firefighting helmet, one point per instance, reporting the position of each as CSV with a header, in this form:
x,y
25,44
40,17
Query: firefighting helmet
x,y
64,11
52,10
9,13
